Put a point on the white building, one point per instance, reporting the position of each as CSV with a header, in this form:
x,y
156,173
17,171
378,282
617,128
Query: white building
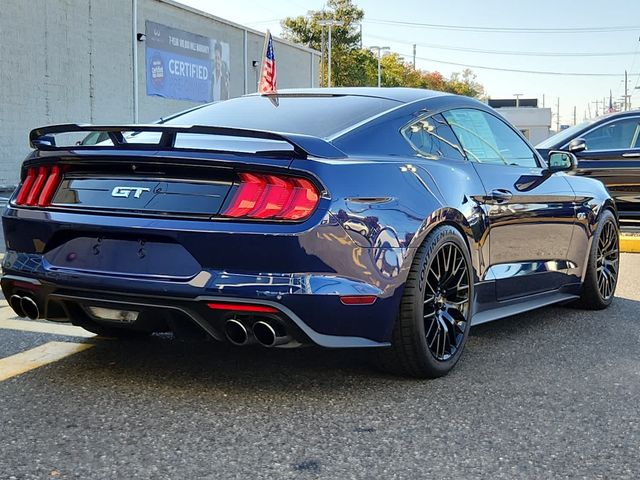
x,y
532,121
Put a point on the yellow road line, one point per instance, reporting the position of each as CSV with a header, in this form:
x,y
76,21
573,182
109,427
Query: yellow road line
x,y
37,357
41,327
629,244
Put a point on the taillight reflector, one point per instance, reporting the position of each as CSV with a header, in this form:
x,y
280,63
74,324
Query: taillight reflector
x,y
358,299
39,186
274,197
241,307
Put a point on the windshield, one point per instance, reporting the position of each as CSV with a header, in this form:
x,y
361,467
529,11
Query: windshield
x,y
320,115
564,136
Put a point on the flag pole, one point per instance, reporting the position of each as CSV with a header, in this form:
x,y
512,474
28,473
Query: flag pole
x,y
264,58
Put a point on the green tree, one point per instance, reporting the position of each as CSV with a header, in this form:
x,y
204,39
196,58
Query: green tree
x,y
346,70
353,66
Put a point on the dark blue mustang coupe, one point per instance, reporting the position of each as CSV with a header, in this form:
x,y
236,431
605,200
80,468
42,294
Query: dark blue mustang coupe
x,y
390,218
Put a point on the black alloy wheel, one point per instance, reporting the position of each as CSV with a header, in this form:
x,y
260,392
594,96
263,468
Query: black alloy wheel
x,y
446,301
607,260
435,311
601,271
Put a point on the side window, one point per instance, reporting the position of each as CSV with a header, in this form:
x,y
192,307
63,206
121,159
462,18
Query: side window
x,y
487,139
433,138
620,135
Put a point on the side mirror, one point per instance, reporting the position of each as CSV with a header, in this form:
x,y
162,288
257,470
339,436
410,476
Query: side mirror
x,y
562,161
577,145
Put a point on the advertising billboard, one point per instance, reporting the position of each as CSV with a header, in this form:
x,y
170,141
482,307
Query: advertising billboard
x,y
184,65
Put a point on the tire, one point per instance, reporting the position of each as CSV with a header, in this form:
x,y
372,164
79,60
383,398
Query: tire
x,y
601,277
424,324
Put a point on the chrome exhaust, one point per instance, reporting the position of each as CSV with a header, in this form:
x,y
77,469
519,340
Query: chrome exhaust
x,y
269,335
16,304
237,333
30,308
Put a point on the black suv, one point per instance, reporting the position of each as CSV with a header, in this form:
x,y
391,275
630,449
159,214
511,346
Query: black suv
x,y
608,148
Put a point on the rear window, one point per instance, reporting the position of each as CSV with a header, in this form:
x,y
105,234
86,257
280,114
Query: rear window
x,y
320,116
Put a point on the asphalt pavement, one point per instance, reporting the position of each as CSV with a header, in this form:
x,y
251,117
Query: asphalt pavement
x,y
548,394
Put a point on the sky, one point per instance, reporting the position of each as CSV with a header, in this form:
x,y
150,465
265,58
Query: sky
x,y
569,35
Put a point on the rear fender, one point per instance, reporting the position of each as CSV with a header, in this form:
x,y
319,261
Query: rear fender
x,y
474,231
592,198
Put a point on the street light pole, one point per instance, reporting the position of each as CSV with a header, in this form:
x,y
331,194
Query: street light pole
x,y
379,50
322,55
517,95
330,23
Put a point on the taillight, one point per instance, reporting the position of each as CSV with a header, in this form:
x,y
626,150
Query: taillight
x,y
273,196
39,186
26,186
50,187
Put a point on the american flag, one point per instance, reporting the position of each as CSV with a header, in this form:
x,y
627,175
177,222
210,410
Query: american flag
x,y
268,78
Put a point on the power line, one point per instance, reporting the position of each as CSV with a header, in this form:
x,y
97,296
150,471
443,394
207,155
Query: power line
x,y
514,70
508,52
619,28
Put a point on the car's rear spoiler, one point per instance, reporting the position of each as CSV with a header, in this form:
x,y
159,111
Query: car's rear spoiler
x,y
303,145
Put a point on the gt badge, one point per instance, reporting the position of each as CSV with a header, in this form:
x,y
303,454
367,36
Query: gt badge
x,y
127,191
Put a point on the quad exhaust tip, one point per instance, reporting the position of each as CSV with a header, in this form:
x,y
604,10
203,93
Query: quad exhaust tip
x,y
265,333
16,304
24,307
236,332
30,308
269,335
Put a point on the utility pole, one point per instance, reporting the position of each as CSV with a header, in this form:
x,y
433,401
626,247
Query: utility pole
x,y
626,91
330,24
379,50
321,55
414,56
558,117
134,54
543,100
575,118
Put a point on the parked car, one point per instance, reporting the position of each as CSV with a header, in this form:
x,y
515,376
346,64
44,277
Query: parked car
x,y
607,148
387,218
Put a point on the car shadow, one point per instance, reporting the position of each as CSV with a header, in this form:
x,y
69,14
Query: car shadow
x,y
550,336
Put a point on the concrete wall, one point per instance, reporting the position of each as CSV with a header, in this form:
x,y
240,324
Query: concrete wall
x,y
58,65
72,61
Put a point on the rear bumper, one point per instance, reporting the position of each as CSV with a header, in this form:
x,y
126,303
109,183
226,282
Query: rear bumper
x,y
308,304
301,268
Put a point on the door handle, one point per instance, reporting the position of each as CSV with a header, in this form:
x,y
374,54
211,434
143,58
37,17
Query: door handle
x,y
499,195
631,155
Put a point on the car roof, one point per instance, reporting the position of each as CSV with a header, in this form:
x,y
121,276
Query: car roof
x,y
608,116
398,94
563,137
